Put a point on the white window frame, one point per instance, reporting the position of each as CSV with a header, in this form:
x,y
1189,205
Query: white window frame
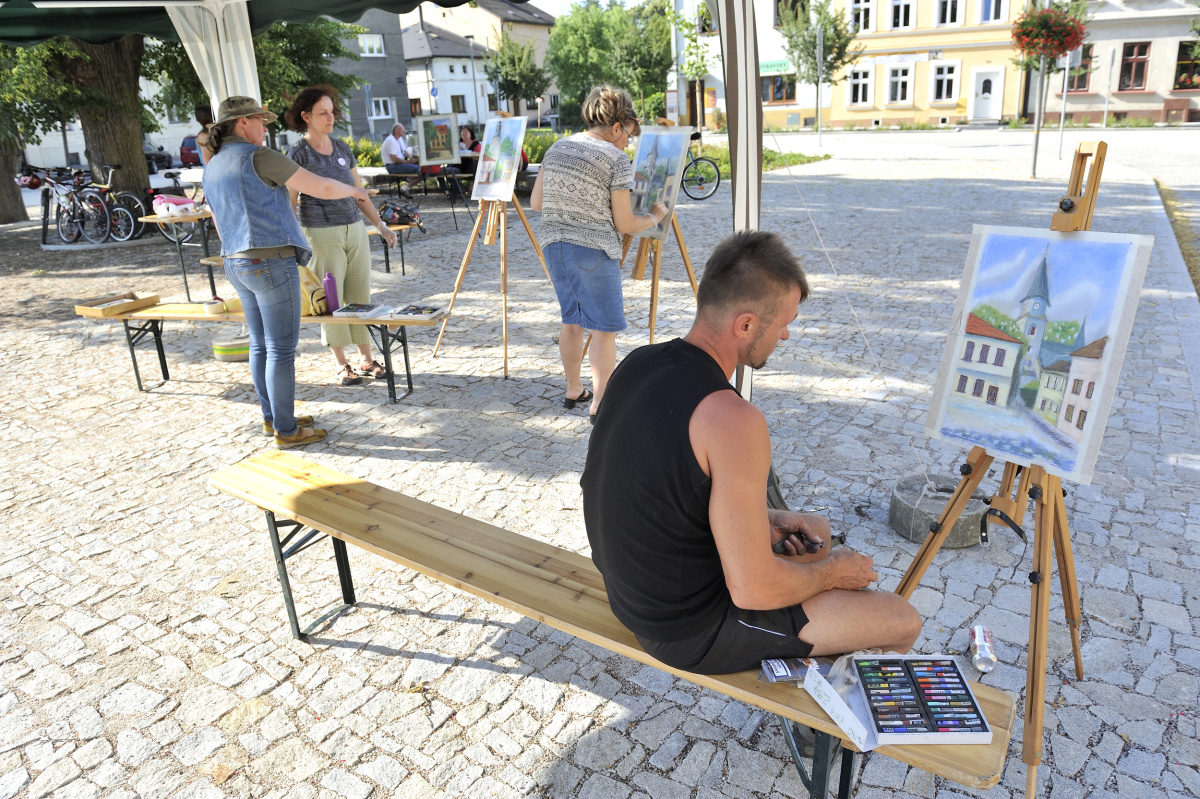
x,y
907,80
959,8
912,14
867,8
954,64
867,82
987,7
370,45
383,108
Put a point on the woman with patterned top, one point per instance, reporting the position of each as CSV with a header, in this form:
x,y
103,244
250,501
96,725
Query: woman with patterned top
x,y
582,190
333,227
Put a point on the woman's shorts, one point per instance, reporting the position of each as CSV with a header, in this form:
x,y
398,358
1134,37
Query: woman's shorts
x,y
741,641
588,285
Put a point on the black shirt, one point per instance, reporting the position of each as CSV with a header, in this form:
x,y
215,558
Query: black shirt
x,y
645,497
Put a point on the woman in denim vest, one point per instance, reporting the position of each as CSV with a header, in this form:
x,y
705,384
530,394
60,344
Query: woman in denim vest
x,y
334,227
246,186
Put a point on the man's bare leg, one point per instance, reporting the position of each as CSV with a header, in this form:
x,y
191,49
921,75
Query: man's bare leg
x,y
847,621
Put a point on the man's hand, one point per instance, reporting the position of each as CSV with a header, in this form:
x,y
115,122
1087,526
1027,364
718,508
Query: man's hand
x,y
798,533
849,570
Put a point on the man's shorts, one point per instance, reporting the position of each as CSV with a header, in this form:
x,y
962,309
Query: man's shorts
x,y
742,640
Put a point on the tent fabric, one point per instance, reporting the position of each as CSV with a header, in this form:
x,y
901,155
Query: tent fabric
x,y
229,68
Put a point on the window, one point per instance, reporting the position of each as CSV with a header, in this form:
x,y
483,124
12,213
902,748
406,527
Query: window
x,y
1081,75
451,69
992,11
381,108
414,106
1043,406
993,395
797,7
860,87
704,21
999,360
944,75
860,15
1032,329
778,89
902,16
1077,387
947,12
983,353
899,90
1079,421
464,69
1187,69
1091,388
371,44
1134,58
1070,412
970,351
554,102
962,384
977,389
458,102
492,106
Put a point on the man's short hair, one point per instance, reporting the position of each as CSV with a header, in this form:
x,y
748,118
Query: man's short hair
x,y
752,269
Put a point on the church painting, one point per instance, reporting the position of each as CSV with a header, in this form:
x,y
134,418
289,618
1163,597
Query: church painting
x,y
657,164
1036,342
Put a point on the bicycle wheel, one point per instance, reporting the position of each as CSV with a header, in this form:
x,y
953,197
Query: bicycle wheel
x,y
185,231
94,217
137,208
122,222
701,178
67,224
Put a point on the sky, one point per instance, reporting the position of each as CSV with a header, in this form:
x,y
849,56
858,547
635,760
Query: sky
x,y
556,8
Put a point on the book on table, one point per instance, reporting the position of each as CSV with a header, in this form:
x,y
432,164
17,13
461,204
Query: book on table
x,y
363,310
418,312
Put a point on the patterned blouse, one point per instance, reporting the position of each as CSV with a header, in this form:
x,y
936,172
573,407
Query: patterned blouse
x,y
579,174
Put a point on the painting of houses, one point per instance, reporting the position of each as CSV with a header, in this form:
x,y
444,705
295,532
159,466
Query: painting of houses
x,y
1036,343
437,139
660,157
500,159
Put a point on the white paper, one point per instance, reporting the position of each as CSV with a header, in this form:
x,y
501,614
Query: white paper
x,y
833,704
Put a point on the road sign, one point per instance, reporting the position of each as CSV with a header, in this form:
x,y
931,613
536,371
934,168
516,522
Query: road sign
x,y
433,92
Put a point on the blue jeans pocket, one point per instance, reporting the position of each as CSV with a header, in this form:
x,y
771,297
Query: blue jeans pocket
x,y
586,259
254,276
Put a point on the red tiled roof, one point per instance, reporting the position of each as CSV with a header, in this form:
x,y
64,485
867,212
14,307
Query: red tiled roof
x,y
978,327
1094,350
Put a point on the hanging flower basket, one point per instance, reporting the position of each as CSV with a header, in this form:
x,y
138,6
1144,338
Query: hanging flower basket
x,y
1048,32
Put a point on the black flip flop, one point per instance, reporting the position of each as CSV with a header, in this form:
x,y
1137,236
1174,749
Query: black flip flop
x,y
569,403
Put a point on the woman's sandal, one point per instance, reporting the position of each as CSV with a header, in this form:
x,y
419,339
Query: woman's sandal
x,y
569,403
372,370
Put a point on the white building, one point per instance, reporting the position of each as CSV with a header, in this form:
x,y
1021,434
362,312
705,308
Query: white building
x,y
1081,388
987,363
445,75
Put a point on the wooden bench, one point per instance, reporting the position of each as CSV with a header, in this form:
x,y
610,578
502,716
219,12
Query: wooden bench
x,y
304,501
149,322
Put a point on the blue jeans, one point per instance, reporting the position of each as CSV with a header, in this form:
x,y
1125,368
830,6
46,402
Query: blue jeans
x,y
270,294
588,285
402,169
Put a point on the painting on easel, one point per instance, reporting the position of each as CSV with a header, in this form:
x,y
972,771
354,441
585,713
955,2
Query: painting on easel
x,y
500,159
437,139
1036,343
657,164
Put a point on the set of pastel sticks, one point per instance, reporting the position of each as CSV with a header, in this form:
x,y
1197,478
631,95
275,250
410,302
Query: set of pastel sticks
x,y
921,699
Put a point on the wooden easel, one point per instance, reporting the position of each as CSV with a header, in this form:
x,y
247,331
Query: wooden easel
x,y
1049,510
652,249
496,214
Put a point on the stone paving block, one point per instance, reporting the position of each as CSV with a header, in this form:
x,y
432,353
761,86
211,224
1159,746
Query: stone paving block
x,y
53,778
199,745
343,783
750,769
12,782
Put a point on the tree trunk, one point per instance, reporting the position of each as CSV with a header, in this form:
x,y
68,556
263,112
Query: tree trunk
x,y
12,204
112,129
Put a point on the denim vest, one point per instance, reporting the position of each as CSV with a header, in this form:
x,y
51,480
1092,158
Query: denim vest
x,y
250,214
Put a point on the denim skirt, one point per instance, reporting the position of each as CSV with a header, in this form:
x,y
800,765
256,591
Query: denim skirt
x,y
588,285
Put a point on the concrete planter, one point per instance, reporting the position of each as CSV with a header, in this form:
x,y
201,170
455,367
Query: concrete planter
x,y
912,511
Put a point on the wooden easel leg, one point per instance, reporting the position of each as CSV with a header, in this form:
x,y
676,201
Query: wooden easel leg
x,y
1066,580
504,280
639,263
979,462
656,254
462,270
687,261
532,238
1045,512
489,237
626,240
587,344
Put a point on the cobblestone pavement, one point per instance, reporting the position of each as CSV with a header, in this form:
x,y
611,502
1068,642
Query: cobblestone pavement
x,y
143,644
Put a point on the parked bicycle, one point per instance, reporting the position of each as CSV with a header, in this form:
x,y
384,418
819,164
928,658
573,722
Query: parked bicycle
x,y
124,208
76,209
701,176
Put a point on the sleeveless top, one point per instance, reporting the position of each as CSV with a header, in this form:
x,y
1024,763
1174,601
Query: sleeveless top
x,y
645,497
579,175
315,212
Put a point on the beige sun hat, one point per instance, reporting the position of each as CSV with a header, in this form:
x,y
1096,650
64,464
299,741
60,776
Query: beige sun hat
x,y
234,107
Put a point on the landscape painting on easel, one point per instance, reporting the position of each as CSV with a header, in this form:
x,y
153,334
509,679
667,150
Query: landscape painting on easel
x,y
657,164
500,159
437,139
1036,343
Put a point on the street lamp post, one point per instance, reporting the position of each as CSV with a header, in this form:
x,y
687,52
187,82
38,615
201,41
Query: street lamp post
x,y
474,89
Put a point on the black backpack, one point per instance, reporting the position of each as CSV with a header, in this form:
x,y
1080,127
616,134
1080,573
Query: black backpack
x,y
392,213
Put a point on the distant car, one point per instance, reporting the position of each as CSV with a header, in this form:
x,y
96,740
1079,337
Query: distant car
x,y
188,154
156,157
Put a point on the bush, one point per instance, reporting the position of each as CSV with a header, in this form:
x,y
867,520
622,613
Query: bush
x,y
771,159
366,152
653,107
1133,122
537,143
719,119
1016,122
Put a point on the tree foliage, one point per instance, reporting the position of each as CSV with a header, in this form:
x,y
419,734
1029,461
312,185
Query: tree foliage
x,y
514,70
798,27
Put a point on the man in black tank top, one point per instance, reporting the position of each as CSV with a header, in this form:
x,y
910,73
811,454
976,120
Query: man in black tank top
x,y
674,494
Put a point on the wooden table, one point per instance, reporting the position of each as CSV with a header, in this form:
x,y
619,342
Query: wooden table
x,y
174,221
149,322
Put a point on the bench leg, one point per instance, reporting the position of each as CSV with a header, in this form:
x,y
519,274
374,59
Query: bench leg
x,y
387,258
134,334
307,538
825,748
384,338
400,241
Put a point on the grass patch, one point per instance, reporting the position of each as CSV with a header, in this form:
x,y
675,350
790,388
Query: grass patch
x,y
771,159
1184,232
1132,122
38,272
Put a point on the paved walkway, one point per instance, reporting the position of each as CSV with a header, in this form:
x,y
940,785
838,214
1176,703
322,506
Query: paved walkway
x,y
143,645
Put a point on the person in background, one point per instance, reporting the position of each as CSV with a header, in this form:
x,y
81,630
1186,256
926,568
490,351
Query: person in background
x,y
582,190
469,144
334,227
247,187
204,116
398,157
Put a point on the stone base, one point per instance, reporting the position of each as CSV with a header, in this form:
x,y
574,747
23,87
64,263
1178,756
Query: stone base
x,y
912,512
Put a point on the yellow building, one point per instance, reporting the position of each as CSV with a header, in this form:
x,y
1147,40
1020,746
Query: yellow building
x,y
929,61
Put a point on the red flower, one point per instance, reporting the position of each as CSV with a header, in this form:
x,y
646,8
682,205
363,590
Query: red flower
x,y
1047,32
